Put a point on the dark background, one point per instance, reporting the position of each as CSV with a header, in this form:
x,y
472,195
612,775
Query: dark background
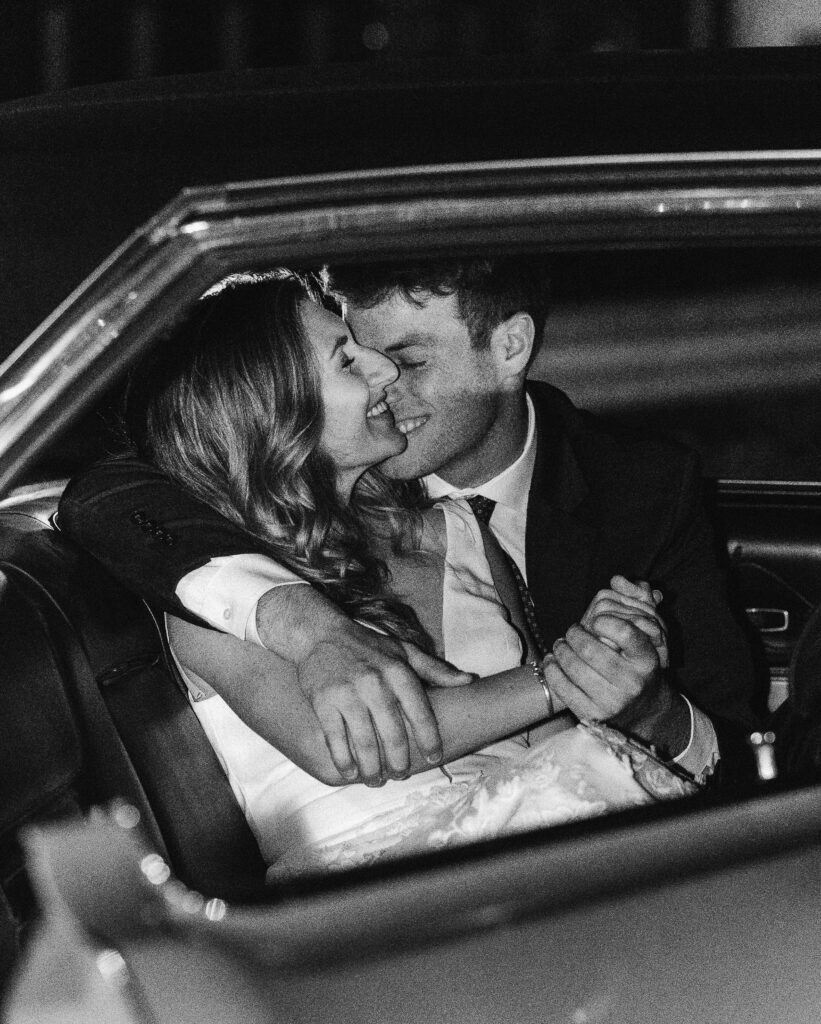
x,y
113,107
50,45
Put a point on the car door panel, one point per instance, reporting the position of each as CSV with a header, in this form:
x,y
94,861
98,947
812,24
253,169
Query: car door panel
x,y
773,536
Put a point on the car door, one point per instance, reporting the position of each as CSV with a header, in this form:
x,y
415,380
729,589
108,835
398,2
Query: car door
x,y
773,536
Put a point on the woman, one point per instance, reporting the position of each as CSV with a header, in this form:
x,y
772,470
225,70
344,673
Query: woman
x,y
267,409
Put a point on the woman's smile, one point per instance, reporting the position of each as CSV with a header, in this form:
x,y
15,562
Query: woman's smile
x,y
378,409
359,430
380,420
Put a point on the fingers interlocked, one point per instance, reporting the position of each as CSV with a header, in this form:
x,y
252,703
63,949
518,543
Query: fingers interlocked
x,y
613,659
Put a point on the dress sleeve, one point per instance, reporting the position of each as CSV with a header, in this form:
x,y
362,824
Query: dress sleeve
x,y
225,592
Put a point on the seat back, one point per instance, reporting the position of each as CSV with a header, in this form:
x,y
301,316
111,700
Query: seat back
x,y
41,772
93,710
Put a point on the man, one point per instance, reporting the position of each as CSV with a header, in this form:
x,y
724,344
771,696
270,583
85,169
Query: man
x,y
570,503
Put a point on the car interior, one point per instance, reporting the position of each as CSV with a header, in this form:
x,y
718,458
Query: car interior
x,y
94,710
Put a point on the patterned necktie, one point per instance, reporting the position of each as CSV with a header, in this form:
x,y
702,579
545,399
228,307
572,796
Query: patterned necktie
x,y
483,509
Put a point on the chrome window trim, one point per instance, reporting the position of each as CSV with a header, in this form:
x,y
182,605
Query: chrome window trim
x,y
617,202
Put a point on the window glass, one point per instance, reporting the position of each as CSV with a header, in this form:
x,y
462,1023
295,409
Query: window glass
x,y
716,348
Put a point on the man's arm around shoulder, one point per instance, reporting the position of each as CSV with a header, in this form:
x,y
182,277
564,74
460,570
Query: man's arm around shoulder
x,y
145,529
152,536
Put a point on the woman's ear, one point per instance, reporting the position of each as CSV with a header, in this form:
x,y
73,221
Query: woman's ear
x,y
512,342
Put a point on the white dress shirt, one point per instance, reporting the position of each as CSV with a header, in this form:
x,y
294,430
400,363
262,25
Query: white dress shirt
x,y
226,591
510,490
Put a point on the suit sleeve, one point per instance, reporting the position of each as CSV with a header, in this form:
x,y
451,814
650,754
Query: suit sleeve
x,y
147,532
710,654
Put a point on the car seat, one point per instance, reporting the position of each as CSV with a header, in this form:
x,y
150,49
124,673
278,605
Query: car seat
x,y
94,710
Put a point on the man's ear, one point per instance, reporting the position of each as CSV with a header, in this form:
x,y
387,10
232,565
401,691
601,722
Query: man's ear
x,y
512,342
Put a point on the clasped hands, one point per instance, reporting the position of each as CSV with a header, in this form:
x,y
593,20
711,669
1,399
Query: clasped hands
x,y
611,667
368,691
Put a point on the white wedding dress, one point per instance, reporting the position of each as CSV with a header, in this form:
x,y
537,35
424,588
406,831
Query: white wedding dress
x,y
302,825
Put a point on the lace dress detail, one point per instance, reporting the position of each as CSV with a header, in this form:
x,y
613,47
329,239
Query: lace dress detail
x,y
580,773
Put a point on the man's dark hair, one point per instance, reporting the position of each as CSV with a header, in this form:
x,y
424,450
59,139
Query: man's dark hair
x,y
488,291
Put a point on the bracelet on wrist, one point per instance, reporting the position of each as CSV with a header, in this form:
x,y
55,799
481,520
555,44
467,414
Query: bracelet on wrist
x,y
538,672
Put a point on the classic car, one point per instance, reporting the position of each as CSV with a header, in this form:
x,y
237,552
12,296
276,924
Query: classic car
x,y
680,201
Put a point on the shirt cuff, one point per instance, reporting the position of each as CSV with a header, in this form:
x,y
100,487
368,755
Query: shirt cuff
x,y
701,755
226,591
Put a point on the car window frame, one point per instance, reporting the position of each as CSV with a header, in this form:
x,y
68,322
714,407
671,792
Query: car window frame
x,y
644,200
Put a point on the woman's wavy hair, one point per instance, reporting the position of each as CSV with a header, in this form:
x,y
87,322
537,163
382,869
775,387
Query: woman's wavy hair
x,y
230,406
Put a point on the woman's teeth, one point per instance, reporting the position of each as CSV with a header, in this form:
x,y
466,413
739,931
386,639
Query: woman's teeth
x,y
378,409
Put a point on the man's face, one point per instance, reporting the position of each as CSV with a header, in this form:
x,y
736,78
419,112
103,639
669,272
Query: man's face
x,y
447,396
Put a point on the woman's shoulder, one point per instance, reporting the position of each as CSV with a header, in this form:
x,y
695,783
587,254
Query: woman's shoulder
x,y
426,536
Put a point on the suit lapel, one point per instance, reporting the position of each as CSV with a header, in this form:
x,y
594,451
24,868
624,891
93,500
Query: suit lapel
x,y
560,544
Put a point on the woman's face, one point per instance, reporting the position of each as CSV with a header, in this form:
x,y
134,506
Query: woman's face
x,y
359,431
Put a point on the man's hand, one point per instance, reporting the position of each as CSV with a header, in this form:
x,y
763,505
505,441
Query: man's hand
x,y
611,667
366,689
633,602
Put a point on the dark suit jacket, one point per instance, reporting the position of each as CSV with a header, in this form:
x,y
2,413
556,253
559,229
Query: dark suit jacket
x,y
601,504
797,723
598,505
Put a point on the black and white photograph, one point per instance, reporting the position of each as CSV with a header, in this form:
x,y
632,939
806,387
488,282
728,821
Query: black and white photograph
x,y
410,511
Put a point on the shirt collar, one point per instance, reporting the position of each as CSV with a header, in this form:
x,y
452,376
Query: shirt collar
x,y
510,487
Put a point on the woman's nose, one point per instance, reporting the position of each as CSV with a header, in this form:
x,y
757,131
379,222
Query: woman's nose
x,y
381,370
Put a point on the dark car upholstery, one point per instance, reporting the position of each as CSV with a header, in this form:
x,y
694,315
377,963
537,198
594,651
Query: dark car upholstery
x,y
93,710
